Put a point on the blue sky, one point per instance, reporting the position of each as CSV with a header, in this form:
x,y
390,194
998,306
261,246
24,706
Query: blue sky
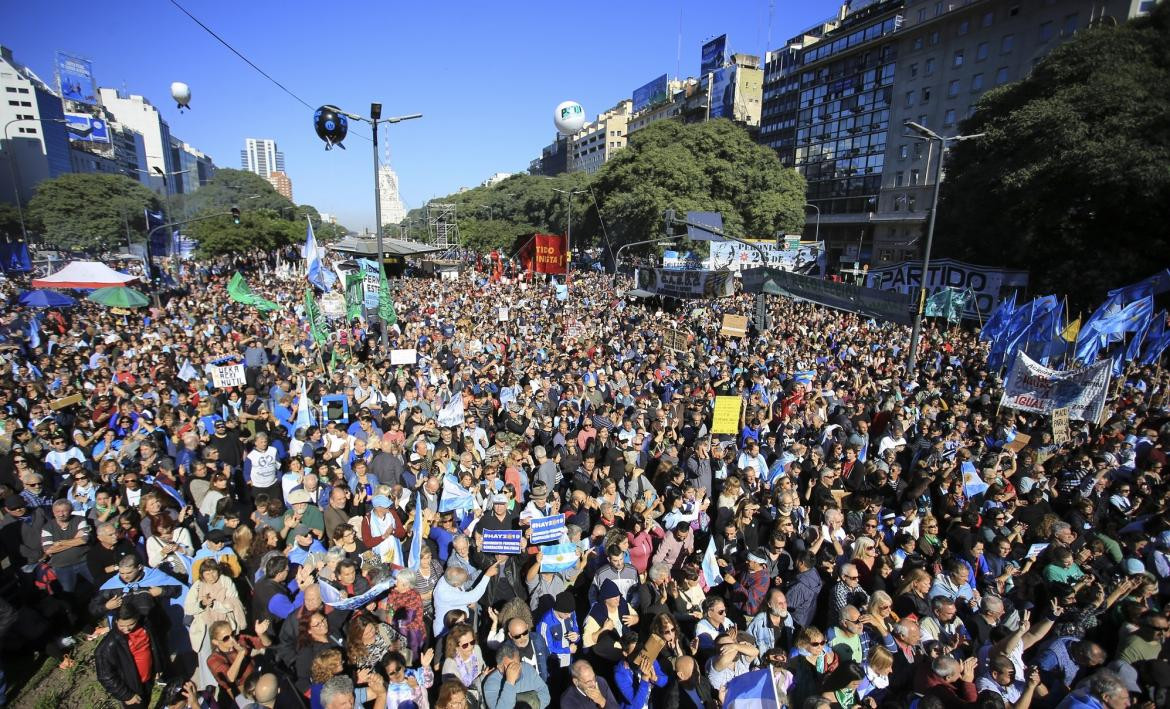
x,y
486,75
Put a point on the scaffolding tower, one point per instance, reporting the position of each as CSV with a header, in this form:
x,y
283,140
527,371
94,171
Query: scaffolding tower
x,y
443,225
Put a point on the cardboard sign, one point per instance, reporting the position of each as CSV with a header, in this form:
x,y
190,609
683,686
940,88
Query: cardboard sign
x,y
1022,439
726,417
502,315
547,529
734,326
231,375
403,356
58,404
501,541
1060,434
675,340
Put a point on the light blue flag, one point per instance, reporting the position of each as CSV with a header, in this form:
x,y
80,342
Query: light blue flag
x,y
304,410
416,536
314,269
330,596
973,485
562,292
1157,339
455,496
558,557
34,333
753,690
170,491
999,319
711,573
804,377
188,372
1112,326
1154,285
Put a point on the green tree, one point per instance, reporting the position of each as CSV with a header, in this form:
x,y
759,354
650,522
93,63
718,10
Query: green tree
x,y
89,211
239,188
9,221
1070,181
256,230
713,166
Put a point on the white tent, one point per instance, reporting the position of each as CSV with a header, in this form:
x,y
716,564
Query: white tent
x,y
84,274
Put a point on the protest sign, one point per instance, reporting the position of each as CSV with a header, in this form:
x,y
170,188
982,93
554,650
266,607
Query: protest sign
x,y
403,356
1021,440
502,315
332,305
685,284
726,417
1060,434
547,529
231,375
987,283
737,256
675,340
501,541
1033,387
734,326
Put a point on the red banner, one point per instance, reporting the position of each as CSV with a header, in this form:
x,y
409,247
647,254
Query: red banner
x,y
550,253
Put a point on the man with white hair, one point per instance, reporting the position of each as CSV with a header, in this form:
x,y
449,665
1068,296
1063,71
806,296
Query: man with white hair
x,y
449,594
847,591
950,681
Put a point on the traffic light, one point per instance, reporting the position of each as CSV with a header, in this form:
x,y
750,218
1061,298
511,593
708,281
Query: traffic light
x,y
669,222
236,215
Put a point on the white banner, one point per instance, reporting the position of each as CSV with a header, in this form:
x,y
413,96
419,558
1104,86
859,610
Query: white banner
x,y
685,284
1033,387
737,256
231,375
403,356
452,413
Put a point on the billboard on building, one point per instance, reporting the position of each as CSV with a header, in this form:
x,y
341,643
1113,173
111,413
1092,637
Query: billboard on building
x,y
714,55
87,128
650,94
75,79
722,98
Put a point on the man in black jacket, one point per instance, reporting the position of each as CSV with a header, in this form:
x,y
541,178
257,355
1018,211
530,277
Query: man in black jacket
x,y
129,659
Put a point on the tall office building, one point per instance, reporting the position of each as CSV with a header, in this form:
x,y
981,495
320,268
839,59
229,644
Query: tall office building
x,y
261,157
35,144
136,113
281,182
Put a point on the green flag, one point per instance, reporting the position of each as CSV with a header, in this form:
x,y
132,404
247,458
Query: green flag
x,y
318,328
354,295
386,303
239,291
948,303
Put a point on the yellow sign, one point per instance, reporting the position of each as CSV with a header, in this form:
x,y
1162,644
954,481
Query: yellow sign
x,y
726,418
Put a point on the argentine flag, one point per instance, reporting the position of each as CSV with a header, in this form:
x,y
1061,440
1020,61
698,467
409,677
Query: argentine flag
x,y
972,484
330,596
711,573
558,557
416,534
304,414
455,496
755,689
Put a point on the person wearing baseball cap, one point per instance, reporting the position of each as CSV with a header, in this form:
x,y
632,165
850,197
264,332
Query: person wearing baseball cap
x,y
302,511
498,516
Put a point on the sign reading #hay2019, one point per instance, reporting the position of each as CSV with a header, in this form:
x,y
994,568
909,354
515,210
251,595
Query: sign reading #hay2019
x,y
501,541
547,529
988,284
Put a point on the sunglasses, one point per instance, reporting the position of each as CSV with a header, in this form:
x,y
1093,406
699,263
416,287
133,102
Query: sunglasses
x,y
517,636
223,639
467,644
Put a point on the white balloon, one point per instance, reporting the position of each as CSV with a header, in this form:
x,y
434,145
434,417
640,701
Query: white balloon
x,y
569,117
181,93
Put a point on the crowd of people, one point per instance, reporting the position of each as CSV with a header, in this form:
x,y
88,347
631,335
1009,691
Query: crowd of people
x,y
224,549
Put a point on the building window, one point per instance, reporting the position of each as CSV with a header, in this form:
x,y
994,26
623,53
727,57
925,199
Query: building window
x,y
953,88
1007,43
911,200
949,117
1070,25
926,94
977,82
929,68
957,59
922,119
988,19
981,51
918,149
914,176
938,9
909,98
899,178
1047,29
1013,11
922,15
917,43
903,151
934,38
964,27
914,70
10,89
1001,76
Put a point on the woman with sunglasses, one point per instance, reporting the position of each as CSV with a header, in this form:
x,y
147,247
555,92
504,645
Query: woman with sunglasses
x,y
811,662
465,662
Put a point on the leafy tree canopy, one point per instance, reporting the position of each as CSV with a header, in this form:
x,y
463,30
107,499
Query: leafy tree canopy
x,y
238,188
89,212
1070,181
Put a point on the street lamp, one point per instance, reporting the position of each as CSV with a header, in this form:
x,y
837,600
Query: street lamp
x,y
374,121
618,253
12,163
817,236
568,228
927,134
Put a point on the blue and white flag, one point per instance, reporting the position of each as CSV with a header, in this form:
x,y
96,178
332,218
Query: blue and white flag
x,y
172,492
711,573
314,269
304,410
804,377
756,690
330,596
452,413
455,496
389,551
34,333
188,372
562,292
973,485
416,534
558,557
